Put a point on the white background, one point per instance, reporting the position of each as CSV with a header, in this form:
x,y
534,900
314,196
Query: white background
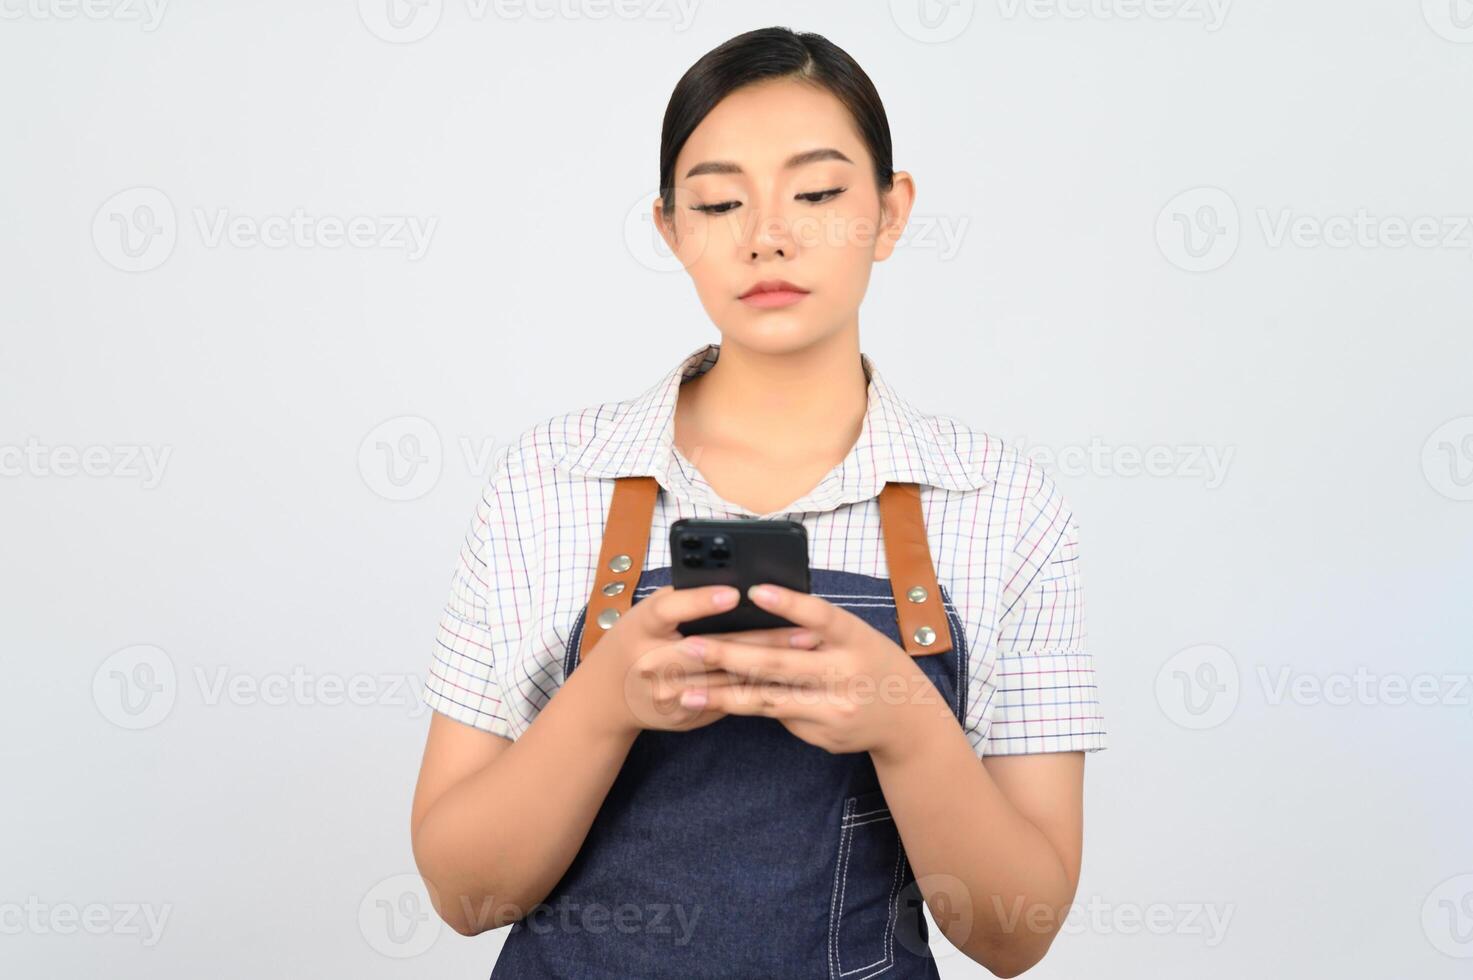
x,y
1130,237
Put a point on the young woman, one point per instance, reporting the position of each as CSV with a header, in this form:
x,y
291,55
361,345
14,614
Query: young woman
x,y
770,803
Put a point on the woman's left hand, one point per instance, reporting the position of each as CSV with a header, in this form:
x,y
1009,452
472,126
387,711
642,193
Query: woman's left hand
x,y
844,686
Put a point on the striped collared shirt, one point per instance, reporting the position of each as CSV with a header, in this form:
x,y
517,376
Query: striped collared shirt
x,y
1004,542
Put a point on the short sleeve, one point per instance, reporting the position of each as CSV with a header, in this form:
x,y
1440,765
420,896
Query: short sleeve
x,y
1041,695
480,627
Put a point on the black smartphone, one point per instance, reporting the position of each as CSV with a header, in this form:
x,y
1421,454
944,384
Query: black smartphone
x,y
742,552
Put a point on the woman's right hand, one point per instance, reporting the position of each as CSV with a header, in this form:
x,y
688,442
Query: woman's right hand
x,y
641,668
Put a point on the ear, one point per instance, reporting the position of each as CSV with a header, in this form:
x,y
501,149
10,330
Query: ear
x,y
666,229
895,205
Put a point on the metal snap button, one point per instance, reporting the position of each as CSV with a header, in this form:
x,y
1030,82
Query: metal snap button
x,y
607,618
925,636
917,593
620,563
613,588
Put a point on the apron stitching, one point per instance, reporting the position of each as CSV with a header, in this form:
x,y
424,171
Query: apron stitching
x,y
894,902
846,848
866,813
841,867
854,820
960,648
575,637
843,887
889,957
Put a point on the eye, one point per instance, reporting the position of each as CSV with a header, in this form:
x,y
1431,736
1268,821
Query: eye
x,y
818,197
719,208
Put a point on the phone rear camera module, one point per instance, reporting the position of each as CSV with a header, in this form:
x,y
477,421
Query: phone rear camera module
x,y
720,548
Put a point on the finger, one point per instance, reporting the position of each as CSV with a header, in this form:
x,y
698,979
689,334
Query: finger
x,y
818,614
758,662
714,678
766,700
775,636
667,607
669,689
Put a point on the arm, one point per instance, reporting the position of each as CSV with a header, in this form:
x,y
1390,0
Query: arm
x,y
996,847
497,817
495,822
1004,839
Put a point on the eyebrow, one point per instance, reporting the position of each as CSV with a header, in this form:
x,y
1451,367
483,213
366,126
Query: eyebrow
x,y
796,160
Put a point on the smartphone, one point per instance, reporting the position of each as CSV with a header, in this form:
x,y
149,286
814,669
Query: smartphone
x,y
741,552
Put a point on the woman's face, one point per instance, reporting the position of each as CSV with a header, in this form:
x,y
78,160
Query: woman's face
x,y
775,184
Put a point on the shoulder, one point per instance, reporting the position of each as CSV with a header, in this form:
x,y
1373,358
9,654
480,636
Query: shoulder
x,y
548,449
1009,503
573,445
1002,469
545,487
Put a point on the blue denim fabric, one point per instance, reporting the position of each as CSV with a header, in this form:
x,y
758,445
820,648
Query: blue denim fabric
x,y
739,850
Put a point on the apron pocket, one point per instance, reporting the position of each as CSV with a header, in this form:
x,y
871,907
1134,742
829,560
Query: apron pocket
x,y
864,903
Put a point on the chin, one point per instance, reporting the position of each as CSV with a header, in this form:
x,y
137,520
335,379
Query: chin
x,y
772,333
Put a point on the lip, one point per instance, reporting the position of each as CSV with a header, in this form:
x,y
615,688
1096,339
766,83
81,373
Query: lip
x,y
771,293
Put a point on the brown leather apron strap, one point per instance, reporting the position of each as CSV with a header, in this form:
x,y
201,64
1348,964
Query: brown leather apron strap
x,y
924,626
621,557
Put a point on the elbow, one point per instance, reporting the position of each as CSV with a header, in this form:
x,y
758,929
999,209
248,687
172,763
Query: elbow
x,y
469,911
468,906
464,927
1007,957
455,914
468,914
1006,964
1011,969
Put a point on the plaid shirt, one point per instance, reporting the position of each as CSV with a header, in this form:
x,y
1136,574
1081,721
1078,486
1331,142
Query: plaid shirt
x,y
1004,542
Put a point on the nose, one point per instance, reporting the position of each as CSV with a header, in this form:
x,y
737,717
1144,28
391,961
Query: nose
x,y
769,236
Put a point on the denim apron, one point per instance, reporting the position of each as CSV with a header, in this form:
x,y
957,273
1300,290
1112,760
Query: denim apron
x,y
737,849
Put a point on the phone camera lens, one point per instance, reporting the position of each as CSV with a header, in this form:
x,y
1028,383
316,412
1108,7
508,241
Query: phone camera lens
x,y
691,561
690,541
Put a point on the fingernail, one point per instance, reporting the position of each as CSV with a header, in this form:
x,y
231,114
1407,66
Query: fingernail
x,y
693,699
800,639
725,597
695,646
762,593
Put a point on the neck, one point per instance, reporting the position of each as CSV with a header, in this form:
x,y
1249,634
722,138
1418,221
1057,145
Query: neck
x,y
809,400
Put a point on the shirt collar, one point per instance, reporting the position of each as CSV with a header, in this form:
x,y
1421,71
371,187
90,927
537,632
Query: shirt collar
x,y
896,443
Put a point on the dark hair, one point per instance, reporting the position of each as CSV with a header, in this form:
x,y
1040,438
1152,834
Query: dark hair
x,y
768,53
